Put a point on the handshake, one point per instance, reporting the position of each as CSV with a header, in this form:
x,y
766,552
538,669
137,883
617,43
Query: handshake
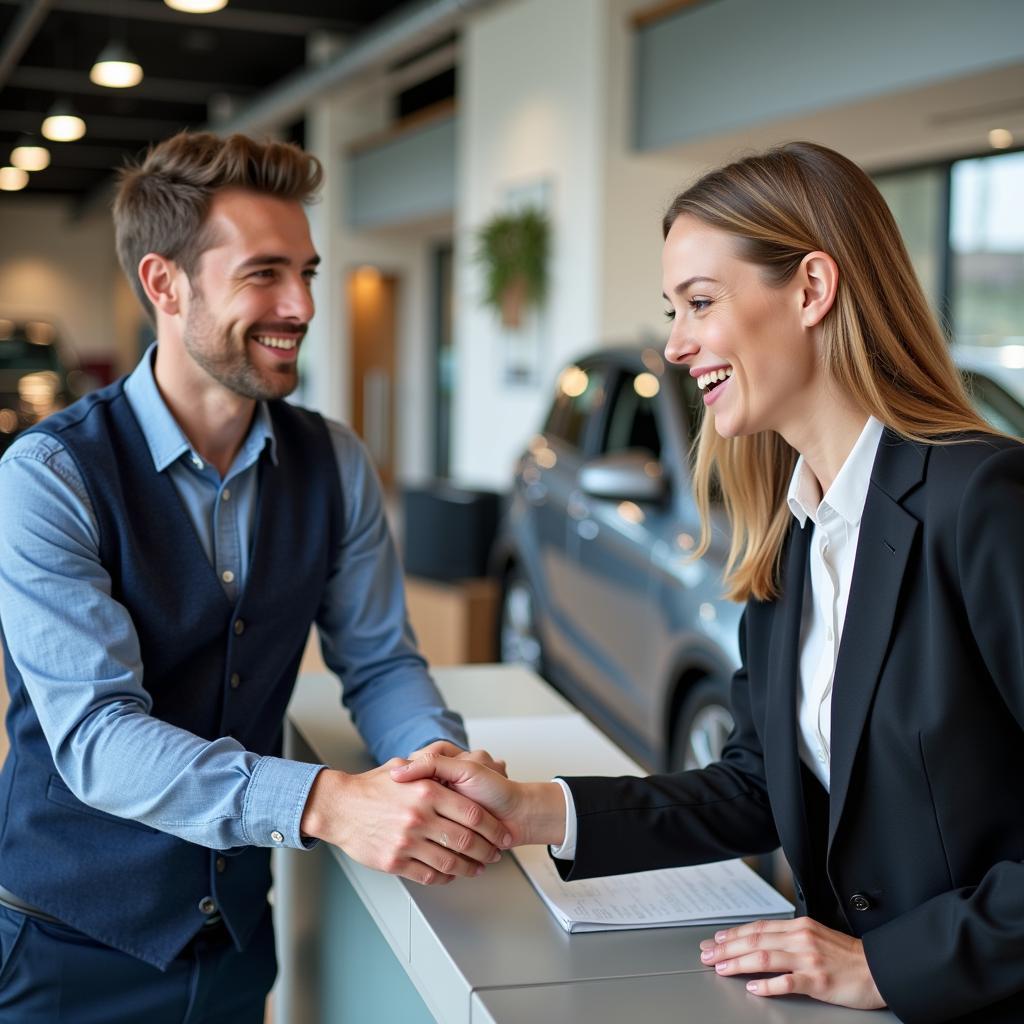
x,y
443,813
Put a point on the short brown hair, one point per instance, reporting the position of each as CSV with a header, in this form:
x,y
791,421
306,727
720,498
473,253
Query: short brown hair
x,y
162,201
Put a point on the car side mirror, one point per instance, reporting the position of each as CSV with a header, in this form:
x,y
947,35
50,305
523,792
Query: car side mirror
x,y
633,475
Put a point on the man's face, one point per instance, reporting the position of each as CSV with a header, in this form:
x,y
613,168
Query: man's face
x,y
250,301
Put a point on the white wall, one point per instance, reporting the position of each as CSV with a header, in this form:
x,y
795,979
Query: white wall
x,y
547,92
55,268
532,87
349,115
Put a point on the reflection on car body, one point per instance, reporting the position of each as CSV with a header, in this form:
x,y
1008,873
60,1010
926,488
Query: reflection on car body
x,y
600,592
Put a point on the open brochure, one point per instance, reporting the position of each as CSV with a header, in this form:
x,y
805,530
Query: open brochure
x,y
725,893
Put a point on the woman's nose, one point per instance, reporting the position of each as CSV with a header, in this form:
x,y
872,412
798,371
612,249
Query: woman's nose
x,y
680,349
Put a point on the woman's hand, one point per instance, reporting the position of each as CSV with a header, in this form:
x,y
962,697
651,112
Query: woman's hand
x,y
805,957
533,812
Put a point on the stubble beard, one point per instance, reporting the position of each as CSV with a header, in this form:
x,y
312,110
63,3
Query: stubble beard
x,y
226,359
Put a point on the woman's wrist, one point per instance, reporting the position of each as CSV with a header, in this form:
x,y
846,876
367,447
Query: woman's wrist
x,y
540,814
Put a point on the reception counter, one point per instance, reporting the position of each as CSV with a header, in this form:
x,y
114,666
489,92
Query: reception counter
x,y
360,947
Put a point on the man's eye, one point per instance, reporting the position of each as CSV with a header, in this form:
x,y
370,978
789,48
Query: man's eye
x,y
267,273
310,275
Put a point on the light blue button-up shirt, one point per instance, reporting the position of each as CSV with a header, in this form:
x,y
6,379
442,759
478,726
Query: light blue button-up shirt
x,y
78,652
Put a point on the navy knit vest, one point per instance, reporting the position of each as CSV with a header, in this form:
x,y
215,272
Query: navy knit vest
x,y
122,882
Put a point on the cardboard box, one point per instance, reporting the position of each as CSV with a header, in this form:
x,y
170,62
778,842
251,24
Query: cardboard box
x,y
455,623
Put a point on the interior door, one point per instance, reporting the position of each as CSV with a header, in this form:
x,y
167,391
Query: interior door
x,y
372,297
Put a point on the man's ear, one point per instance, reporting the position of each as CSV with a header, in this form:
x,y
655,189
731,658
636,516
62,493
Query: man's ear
x,y
162,281
819,279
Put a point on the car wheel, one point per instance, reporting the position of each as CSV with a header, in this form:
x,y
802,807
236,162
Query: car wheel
x,y
518,635
702,726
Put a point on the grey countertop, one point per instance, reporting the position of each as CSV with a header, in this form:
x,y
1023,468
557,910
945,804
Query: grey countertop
x,y
486,949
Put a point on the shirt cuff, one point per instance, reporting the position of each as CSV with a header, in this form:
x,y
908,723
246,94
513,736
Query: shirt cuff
x,y
274,801
567,851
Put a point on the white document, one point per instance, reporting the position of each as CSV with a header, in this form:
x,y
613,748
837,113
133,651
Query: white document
x,y
725,893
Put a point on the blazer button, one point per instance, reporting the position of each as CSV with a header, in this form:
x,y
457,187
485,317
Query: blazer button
x,y
207,906
858,901
239,627
236,680
221,864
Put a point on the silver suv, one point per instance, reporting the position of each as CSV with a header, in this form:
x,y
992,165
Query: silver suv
x,y
600,594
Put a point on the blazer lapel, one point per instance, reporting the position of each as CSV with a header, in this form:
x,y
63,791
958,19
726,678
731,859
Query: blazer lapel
x,y
887,534
782,761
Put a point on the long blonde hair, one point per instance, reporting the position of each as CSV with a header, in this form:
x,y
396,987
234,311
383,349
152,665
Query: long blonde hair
x,y
880,341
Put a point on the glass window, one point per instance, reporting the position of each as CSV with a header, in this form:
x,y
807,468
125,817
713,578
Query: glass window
x,y
916,200
632,420
579,393
987,242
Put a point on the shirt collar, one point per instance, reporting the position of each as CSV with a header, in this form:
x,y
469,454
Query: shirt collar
x,y
166,440
849,490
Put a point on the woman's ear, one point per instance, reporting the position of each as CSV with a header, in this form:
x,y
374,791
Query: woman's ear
x,y
819,279
161,281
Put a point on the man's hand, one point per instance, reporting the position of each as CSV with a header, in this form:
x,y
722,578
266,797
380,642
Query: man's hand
x,y
534,812
446,749
805,957
424,832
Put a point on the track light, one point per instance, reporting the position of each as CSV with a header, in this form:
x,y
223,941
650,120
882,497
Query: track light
x,y
116,67
197,6
28,155
12,179
62,124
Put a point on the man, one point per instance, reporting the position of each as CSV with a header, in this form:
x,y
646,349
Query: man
x,y
165,545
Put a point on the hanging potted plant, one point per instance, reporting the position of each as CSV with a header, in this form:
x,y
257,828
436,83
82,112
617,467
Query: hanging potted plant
x,y
513,250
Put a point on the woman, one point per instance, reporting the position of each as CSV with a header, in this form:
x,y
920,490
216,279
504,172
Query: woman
x,y
876,541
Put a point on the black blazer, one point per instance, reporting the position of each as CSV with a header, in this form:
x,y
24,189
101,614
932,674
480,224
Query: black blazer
x,y
925,830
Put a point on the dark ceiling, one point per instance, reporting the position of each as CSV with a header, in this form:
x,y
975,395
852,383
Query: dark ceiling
x,y
188,61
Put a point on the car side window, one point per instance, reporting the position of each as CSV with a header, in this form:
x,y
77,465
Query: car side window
x,y
580,393
632,419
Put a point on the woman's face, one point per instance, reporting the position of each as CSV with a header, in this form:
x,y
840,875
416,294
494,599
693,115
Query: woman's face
x,y
727,323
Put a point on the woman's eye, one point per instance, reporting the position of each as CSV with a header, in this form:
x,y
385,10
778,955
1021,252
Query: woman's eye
x,y
699,305
670,314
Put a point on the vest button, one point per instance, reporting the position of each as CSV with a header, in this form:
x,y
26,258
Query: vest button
x,y
221,865
239,627
236,680
858,901
207,906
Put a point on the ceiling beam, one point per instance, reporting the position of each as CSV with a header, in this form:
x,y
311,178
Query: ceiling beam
x,y
232,18
171,90
20,35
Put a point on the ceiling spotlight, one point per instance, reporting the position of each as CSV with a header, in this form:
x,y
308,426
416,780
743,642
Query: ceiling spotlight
x,y
116,68
1000,138
28,155
62,124
13,179
197,6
